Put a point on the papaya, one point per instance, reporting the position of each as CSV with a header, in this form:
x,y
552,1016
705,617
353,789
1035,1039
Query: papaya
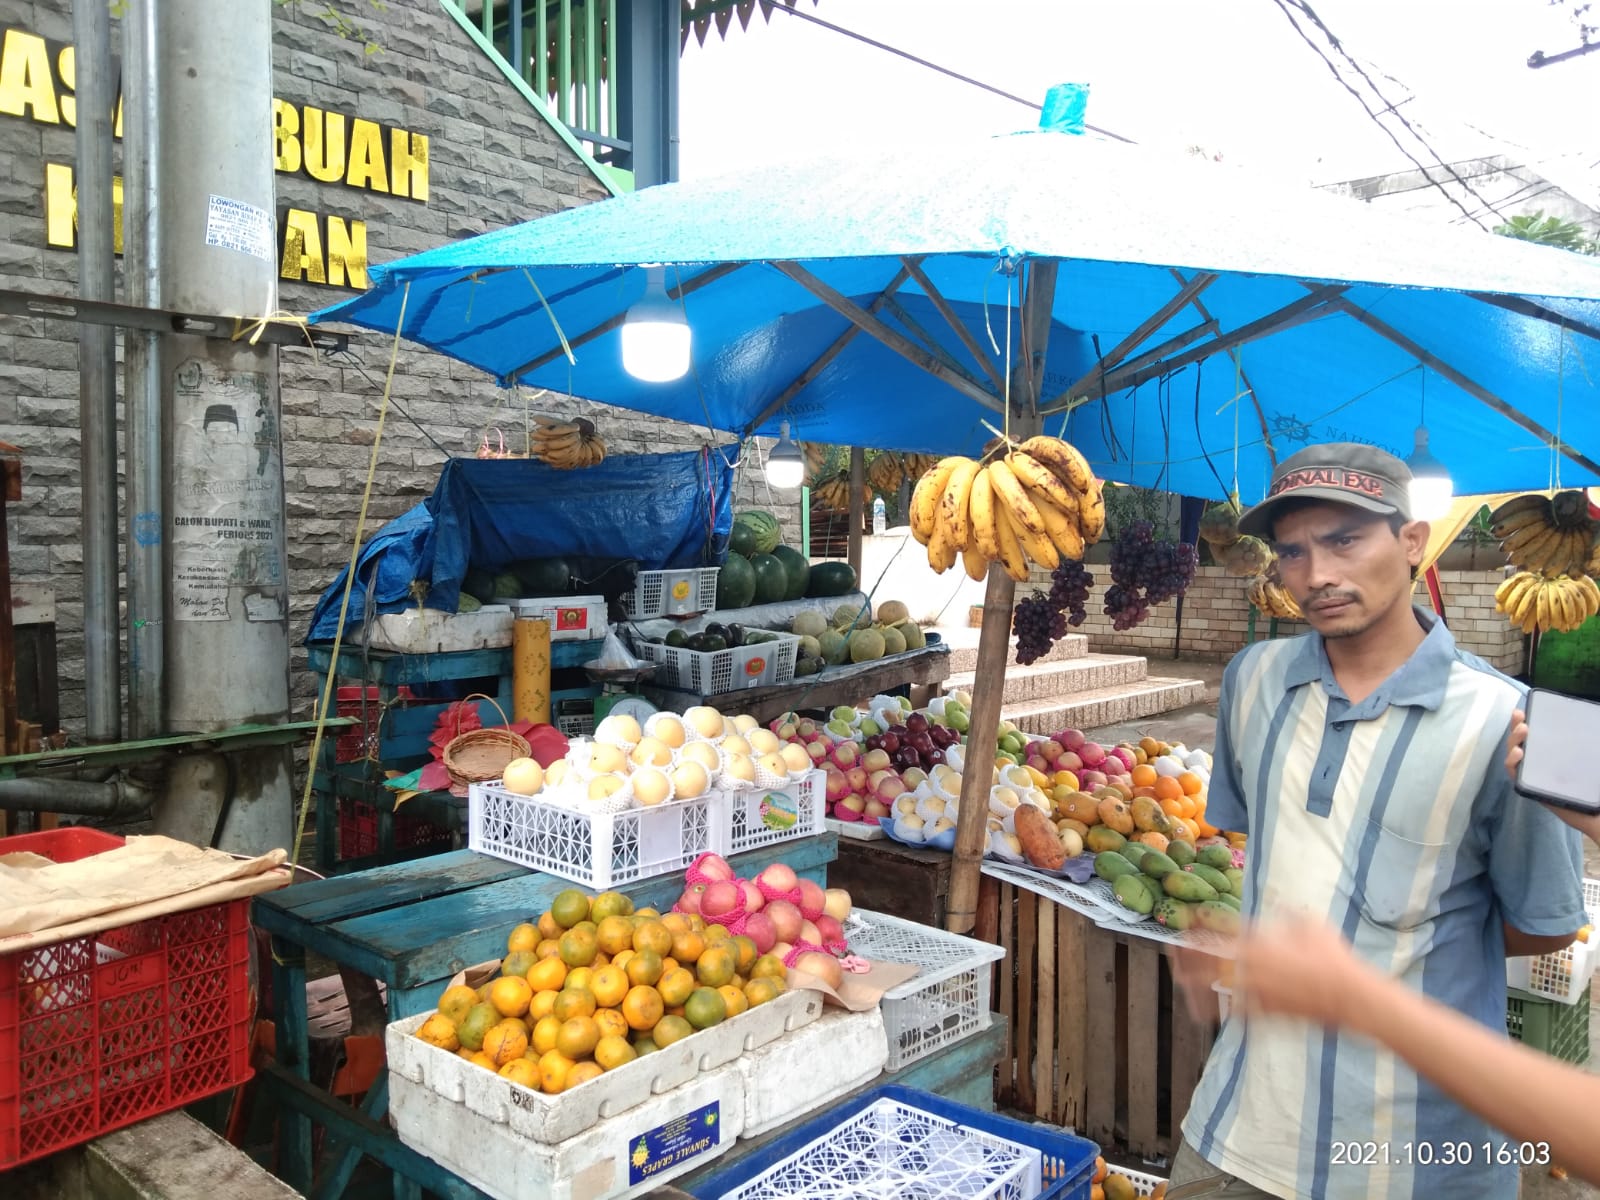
x,y
1180,852
1214,877
1114,811
1081,806
1235,878
1156,841
1134,851
1231,901
1111,866
1217,917
1218,858
1174,914
1103,837
1157,865
1147,816
1132,893
1041,844
1181,885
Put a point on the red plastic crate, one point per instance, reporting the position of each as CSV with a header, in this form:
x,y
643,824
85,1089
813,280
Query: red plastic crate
x,y
358,831
102,1031
360,741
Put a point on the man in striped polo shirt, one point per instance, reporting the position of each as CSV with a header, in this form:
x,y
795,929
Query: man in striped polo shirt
x,y
1365,761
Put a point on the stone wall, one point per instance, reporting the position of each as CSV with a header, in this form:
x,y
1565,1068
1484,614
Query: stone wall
x,y
494,161
1216,619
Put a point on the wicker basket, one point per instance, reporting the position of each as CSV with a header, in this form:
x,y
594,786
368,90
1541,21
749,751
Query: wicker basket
x,y
480,755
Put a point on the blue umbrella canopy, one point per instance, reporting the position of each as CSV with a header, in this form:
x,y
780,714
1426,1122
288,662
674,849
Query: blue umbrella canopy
x,y
1202,323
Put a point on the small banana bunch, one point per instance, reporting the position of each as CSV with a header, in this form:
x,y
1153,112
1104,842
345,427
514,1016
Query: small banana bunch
x,y
1548,537
567,444
832,494
1035,501
1534,601
885,473
1272,598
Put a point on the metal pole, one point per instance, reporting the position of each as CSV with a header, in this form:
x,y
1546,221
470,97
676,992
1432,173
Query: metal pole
x,y
141,352
97,399
227,612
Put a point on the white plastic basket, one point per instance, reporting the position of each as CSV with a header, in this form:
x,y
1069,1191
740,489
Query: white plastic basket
x,y
1143,1184
672,593
891,1150
713,672
595,849
948,1000
747,820
1564,974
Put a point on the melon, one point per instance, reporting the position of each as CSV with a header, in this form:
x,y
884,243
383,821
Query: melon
x,y
799,570
810,623
894,642
913,635
809,647
736,583
866,645
892,612
847,615
772,580
835,647
765,527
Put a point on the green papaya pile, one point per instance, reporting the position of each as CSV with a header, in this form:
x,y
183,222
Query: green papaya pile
x,y
1204,893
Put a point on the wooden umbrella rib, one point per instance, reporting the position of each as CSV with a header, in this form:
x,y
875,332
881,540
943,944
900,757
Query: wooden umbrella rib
x,y
928,341
804,379
1189,292
1244,378
1474,389
588,335
1189,336
897,342
1538,312
951,319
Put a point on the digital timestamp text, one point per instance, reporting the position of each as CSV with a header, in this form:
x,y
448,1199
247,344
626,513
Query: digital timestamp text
x,y
1443,1154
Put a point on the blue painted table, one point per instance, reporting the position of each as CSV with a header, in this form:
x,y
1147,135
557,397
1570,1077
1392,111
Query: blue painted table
x,y
411,926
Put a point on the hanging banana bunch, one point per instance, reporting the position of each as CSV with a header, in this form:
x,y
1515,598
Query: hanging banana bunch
x,y
832,494
1550,537
1038,500
566,444
1531,600
885,473
816,456
1271,598
918,465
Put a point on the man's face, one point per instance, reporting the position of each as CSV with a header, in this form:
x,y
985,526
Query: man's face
x,y
1344,566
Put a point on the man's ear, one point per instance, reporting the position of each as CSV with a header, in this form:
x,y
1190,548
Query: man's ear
x,y
1414,536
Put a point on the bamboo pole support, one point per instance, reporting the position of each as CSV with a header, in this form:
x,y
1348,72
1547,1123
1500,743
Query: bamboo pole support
x,y
858,506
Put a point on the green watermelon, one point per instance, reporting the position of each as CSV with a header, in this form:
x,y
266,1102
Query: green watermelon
x,y
743,540
772,579
832,578
765,527
798,568
736,583
543,576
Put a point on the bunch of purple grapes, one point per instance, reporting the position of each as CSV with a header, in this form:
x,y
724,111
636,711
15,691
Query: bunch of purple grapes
x,y
1069,588
1144,573
1041,619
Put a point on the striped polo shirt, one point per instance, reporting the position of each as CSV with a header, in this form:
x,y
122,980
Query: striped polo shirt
x,y
1394,819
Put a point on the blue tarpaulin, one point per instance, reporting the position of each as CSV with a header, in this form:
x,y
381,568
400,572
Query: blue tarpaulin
x,y
661,510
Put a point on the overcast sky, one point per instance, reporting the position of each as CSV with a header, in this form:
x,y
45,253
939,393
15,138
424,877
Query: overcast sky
x,y
1229,75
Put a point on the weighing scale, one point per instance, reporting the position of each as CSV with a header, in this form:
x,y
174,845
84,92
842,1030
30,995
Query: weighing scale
x,y
616,694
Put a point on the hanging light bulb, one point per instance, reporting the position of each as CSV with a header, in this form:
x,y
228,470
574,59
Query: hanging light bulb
x,y
786,466
655,334
1431,489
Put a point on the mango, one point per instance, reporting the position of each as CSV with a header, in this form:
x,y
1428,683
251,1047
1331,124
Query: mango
x,y
1231,901
1214,877
1114,811
1180,852
1174,914
1235,878
1157,865
1218,858
1217,917
1134,851
1111,866
1181,885
1132,893
1103,837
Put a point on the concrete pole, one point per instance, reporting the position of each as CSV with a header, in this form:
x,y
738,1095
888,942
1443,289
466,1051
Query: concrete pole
x,y
97,398
141,389
227,632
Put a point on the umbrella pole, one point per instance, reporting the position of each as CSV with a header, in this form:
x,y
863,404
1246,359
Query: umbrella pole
x,y
858,482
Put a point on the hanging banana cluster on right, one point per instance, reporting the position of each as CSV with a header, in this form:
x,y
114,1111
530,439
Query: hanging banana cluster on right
x,y
1551,542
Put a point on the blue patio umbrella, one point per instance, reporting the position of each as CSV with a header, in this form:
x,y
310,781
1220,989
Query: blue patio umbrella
x,y
876,302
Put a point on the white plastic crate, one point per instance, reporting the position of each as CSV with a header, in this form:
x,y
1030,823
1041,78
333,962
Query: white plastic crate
x,y
684,593
946,1001
1143,1184
1563,975
550,1119
766,816
892,1150
713,672
597,850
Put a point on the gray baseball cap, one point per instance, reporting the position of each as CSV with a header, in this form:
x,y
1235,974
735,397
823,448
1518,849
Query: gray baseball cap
x,y
1337,473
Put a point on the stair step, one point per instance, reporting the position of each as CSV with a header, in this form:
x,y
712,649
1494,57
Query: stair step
x,y
1063,680
963,645
1105,706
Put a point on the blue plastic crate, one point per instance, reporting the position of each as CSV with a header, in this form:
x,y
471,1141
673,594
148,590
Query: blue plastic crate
x,y
1068,1161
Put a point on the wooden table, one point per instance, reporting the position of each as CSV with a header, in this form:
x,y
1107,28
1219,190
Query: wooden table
x,y
411,926
887,876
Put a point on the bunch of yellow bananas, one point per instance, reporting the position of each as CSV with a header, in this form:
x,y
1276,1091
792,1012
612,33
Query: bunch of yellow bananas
x,y
1272,598
566,444
1036,501
832,494
1550,537
885,472
1534,601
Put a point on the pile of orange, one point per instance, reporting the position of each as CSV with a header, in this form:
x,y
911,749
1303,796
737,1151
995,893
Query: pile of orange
x,y
593,985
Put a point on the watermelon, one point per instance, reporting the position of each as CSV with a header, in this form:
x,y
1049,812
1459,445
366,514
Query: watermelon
x,y
832,578
798,568
543,576
772,579
765,527
742,540
736,583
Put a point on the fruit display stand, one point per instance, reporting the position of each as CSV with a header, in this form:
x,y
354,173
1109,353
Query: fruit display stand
x,y
890,877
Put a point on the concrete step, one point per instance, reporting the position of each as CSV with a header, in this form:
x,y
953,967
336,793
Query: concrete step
x,y
1104,706
963,645
1062,679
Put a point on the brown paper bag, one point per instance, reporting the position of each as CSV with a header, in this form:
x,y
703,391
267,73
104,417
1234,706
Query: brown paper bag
x,y
858,992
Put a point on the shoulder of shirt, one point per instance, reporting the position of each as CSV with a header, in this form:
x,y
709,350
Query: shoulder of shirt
x,y
1483,675
1259,656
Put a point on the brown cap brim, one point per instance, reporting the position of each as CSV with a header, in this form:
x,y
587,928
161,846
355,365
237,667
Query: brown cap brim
x,y
1257,522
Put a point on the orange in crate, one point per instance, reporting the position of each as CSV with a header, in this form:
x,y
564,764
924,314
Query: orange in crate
x,y
101,1031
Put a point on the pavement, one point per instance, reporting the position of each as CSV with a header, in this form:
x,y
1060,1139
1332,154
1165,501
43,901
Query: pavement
x,y
1195,726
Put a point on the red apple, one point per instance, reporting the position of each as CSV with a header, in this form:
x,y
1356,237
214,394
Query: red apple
x,y
786,919
859,783
787,731
809,932
758,926
720,899
1069,761
818,752
779,877
855,803
838,786
806,728
714,866
828,927
890,788
690,900
812,900
846,754
874,778
875,808
752,899
836,903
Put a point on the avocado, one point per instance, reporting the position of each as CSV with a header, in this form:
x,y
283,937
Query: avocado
x,y
676,637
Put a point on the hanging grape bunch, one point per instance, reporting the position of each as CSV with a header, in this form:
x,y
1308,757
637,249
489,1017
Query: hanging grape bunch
x,y
1042,619
1144,573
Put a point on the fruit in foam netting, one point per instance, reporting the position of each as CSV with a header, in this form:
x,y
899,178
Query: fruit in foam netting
x,y
812,899
736,745
838,786
763,741
669,729
829,929
785,917
780,949
858,780
702,753
618,729
779,877
714,867
720,899
523,776
816,752
846,755
773,764
650,786
604,757
809,934
760,929
690,900
651,752
744,723
795,757
836,904
741,767
753,900
704,720
689,780
855,803
822,966
602,787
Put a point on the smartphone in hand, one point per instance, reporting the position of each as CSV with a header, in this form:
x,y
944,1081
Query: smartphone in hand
x,y
1557,764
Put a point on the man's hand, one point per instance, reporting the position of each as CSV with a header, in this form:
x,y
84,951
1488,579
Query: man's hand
x,y
1587,824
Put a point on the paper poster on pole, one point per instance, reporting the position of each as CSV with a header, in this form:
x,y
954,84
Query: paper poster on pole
x,y
227,522
235,225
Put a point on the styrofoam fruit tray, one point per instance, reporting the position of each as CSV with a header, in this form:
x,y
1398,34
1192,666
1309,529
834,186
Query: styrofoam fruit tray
x,y
812,1067
861,831
544,1118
